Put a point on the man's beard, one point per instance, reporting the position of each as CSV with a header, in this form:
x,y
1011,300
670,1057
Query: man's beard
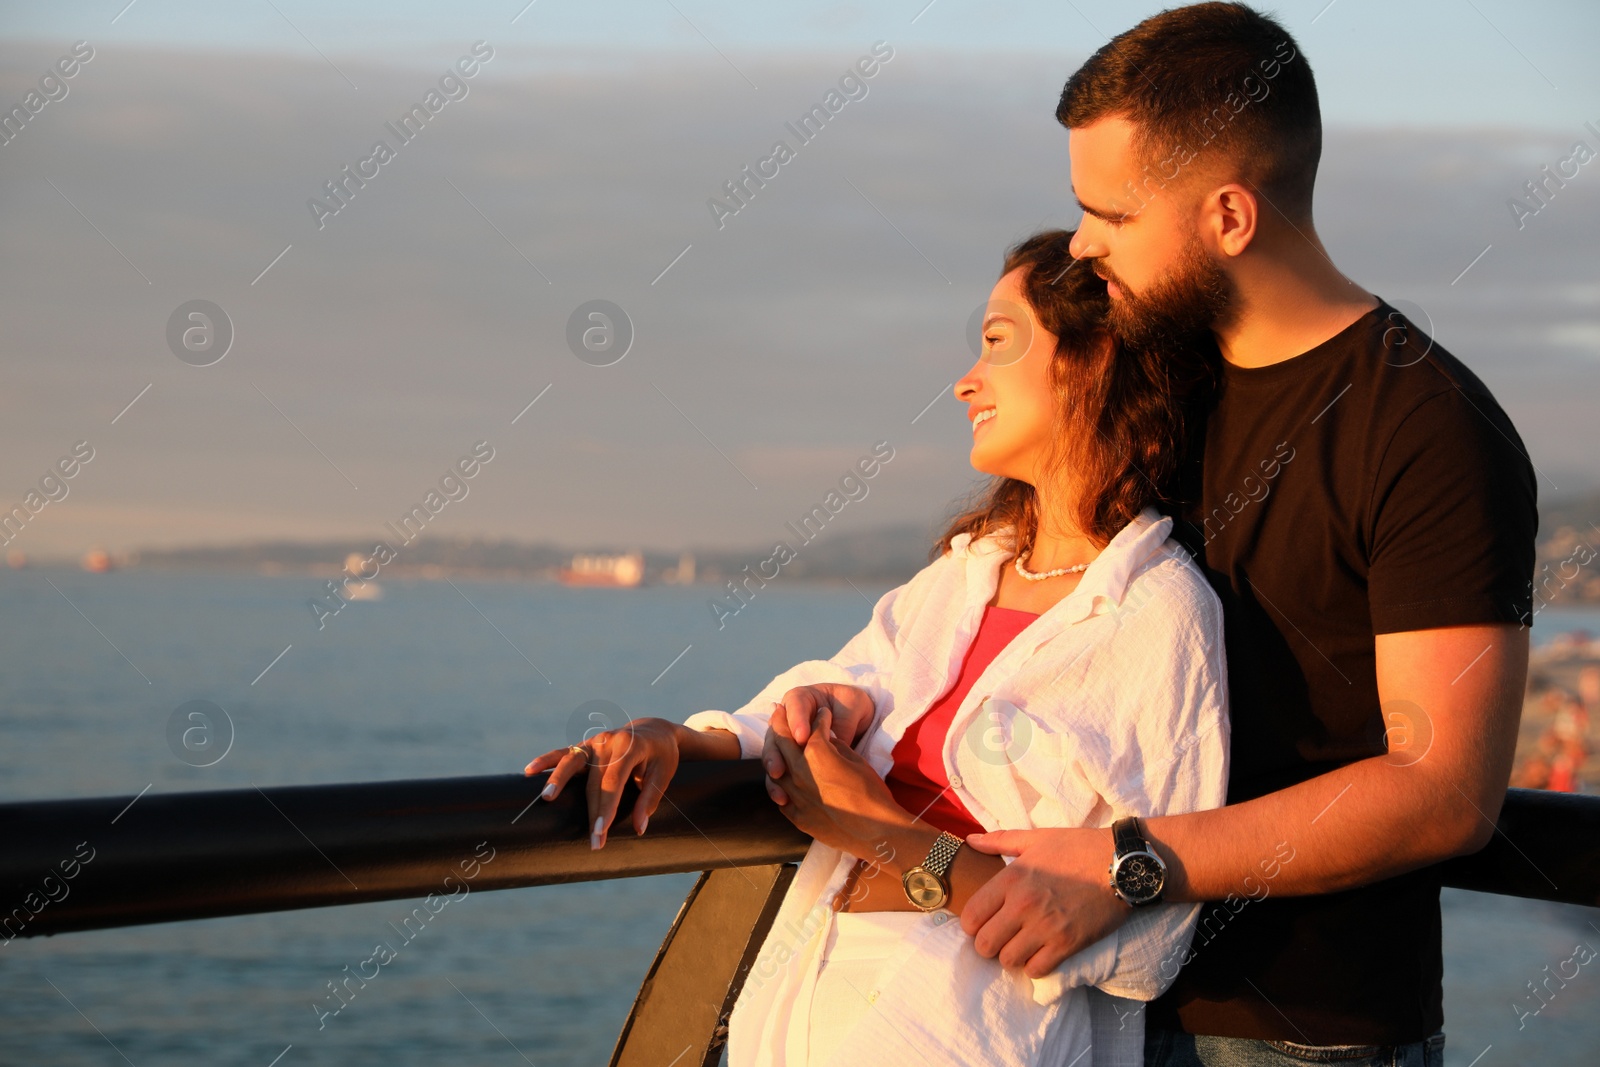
x,y
1177,310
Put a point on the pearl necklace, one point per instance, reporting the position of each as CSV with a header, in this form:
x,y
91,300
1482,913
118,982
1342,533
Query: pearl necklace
x,y
1041,576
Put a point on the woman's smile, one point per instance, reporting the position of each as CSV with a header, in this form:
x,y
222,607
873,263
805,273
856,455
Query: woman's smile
x,y
982,417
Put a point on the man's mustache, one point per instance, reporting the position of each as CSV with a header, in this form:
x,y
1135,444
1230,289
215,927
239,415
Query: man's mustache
x,y
1110,278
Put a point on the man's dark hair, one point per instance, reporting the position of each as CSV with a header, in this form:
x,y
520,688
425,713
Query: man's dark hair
x,y
1214,77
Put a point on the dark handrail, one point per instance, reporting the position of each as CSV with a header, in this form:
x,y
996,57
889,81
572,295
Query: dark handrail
x,y
239,851
196,855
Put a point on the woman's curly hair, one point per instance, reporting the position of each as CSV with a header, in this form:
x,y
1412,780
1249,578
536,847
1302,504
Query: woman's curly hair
x,y
1120,412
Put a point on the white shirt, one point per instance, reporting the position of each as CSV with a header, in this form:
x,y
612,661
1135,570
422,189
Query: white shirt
x,y
1112,703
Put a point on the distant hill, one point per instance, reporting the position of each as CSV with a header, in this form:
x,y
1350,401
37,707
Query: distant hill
x,y
1568,569
1580,513
1569,533
882,554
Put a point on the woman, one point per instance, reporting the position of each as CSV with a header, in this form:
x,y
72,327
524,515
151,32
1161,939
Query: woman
x,y
1059,663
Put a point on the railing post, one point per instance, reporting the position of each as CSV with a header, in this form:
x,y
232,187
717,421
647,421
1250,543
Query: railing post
x,y
681,1012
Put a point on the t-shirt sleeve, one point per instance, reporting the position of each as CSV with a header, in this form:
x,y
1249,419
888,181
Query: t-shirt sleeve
x,y
1453,519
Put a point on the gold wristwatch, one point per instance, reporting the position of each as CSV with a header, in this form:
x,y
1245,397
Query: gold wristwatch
x,y
927,885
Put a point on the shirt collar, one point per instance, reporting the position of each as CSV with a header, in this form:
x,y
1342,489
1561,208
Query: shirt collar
x,y
1103,584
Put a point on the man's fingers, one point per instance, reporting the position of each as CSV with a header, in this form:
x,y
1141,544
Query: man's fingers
x,y
1001,842
1024,945
1046,959
984,903
997,932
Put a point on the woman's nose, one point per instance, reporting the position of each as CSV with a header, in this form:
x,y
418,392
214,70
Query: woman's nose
x,y
968,386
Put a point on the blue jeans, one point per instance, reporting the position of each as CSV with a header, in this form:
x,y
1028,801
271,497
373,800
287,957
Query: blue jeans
x,y
1165,1048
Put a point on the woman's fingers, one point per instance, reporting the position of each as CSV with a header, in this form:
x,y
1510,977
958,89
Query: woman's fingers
x,y
652,786
544,762
602,805
800,705
800,784
567,764
618,762
771,758
775,791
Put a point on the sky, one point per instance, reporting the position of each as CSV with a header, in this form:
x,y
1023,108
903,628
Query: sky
x,y
374,347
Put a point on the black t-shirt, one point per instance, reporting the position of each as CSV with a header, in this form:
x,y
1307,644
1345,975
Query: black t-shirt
x,y
1371,485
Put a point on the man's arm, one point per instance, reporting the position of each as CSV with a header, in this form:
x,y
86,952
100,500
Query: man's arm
x,y
1437,794
1452,699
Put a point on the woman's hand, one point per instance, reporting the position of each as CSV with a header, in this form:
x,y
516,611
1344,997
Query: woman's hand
x,y
644,751
851,711
834,795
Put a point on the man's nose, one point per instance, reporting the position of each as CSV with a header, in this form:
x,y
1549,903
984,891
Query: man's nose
x,y
1083,246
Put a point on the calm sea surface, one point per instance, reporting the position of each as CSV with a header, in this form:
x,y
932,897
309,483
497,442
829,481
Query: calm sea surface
x,y
435,681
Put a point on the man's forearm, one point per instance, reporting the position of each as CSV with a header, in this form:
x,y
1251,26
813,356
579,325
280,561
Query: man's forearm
x,y
1362,823
1457,694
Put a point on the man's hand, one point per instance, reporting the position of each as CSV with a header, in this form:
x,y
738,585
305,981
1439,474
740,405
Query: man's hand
x,y
851,711
1051,902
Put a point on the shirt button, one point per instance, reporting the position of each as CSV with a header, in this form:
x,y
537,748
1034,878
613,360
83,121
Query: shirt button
x,y
872,997
955,781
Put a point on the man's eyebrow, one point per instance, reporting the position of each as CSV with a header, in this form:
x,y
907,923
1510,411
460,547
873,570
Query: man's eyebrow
x,y
1103,216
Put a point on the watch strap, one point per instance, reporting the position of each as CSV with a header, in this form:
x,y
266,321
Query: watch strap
x,y
1126,836
942,854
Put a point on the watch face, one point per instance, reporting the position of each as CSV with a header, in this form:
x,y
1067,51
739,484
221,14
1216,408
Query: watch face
x,y
1140,876
924,889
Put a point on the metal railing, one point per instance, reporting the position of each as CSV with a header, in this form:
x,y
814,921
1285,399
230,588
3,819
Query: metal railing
x,y
88,864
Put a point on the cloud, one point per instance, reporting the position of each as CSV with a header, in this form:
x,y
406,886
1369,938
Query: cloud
x,y
417,321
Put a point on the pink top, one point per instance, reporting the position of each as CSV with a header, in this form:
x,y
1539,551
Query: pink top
x,y
917,779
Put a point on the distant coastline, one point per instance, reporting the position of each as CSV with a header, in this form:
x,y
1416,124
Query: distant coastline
x,y
889,553
1566,571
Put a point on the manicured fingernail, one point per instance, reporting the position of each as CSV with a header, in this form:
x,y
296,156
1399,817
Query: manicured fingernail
x,y
549,791
594,838
642,824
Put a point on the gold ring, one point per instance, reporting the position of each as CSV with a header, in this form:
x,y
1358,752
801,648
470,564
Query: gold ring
x,y
577,750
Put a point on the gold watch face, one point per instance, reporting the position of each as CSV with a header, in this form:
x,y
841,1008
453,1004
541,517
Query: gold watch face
x,y
924,889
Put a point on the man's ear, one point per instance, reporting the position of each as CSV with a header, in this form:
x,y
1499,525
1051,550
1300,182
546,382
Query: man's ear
x,y
1232,213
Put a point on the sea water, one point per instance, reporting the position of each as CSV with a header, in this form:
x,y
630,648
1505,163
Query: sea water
x,y
440,679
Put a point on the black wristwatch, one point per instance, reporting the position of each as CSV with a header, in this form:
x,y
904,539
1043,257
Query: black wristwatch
x,y
1137,874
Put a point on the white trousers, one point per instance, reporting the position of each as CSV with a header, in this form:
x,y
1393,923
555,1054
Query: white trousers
x,y
851,959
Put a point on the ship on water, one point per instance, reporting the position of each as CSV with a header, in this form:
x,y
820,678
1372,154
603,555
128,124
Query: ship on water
x,y
618,572
365,590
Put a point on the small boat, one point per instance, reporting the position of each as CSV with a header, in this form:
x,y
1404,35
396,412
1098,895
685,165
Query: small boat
x,y
367,589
